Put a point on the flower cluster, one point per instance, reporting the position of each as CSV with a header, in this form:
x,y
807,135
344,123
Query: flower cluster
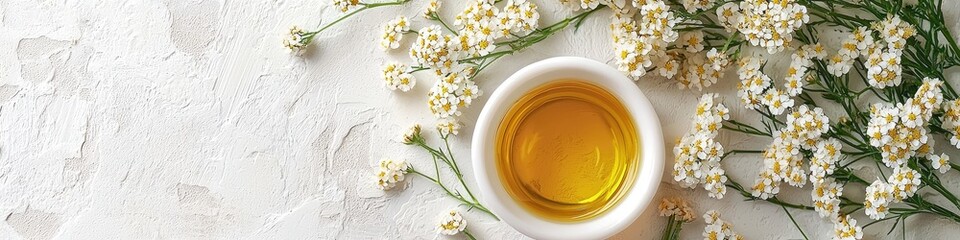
x,y
396,76
756,89
432,9
641,39
345,5
390,172
846,228
899,131
698,154
766,23
882,52
435,50
951,121
678,208
481,24
448,126
451,223
637,41
783,161
296,40
452,93
519,16
902,184
718,229
393,32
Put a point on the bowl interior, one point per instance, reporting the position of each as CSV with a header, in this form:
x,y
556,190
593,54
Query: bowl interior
x,y
638,196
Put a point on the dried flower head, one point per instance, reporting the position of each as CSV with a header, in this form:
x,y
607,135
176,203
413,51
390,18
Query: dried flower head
x,y
676,207
412,135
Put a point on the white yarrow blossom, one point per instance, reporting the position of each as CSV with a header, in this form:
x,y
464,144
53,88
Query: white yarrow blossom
x,y
390,172
693,41
393,32
878,197
345,5
951,121
451,223
449,126
697,154
718,229
940,162
296,40
845,228
519,16
432,9
770,24
452,93
397,77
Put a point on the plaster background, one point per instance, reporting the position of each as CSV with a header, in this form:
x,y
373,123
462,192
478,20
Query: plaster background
x,y
187,119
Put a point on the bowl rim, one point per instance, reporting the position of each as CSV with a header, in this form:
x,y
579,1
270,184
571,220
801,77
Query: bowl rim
x,y
650,136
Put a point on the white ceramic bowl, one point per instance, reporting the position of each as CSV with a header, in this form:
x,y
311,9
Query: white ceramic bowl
x,y
495,197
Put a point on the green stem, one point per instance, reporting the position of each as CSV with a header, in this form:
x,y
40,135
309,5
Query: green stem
x,y
794,222
470,236
365,6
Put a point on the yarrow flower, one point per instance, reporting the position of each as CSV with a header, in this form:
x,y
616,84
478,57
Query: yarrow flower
x,y
393,32
783,161
640,42
479,27
951,121
448,126
430,12
297,40
435,50
697,154
693,6
519,16
693,41
846,228
899,131
729,16
826,197
412,135
678,208
718,229
877,202
770,24
397,77
453,92
940,162
390,172
451,223
345,5
824,159
904,183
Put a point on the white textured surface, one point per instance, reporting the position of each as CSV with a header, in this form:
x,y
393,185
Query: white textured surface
x,y
186,119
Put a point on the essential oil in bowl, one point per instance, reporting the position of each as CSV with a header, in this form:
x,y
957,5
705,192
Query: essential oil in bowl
x,y
567,150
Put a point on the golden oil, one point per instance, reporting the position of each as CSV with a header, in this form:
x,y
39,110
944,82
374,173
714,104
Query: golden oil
x,y
567,151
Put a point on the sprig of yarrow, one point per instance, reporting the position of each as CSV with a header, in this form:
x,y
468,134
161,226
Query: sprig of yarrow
x,y
298,40
443,155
